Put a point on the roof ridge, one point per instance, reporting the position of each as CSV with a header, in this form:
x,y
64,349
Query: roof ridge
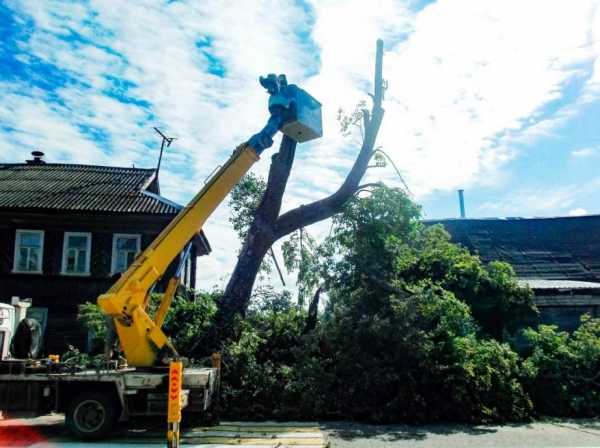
x,y
74,165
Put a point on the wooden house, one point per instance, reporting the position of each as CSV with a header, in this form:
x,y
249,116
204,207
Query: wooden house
x,y
67,231
559,258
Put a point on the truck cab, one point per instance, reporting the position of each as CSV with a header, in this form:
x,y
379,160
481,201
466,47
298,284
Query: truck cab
x,y
7,328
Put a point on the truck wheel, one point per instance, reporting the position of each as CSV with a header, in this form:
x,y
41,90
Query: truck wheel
x,y
91,415
27,340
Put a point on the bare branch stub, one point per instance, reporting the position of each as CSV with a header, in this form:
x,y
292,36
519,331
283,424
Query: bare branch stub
x,y
378,75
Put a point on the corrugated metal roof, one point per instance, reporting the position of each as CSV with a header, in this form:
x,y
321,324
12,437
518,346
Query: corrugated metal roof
x,y
80,188
559,248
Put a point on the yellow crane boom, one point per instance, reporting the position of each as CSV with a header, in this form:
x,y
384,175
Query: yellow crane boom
x,y
295,113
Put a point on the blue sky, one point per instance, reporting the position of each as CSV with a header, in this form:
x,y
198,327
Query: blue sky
x,y
501,99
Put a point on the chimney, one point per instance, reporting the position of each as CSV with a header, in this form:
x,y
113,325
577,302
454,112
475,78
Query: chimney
x,y
37,158
461,200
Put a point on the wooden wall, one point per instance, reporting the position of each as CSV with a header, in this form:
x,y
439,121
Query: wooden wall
x,y
565,308
62,294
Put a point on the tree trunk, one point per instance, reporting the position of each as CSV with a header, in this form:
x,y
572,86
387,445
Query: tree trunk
x,y
261,234
267,226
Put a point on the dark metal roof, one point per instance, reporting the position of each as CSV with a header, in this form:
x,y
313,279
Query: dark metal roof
x,y
81,188
561,248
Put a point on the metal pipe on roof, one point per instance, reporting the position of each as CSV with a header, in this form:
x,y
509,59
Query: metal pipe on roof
x,y
461,200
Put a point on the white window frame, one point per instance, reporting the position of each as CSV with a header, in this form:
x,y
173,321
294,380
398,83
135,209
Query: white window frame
x,y
18,234
116,236
87,257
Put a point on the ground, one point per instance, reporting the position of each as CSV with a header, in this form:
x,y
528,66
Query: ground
x,y
546,433
50,432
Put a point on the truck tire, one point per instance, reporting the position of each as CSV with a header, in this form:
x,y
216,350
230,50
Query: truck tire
x,y
27,340
91,415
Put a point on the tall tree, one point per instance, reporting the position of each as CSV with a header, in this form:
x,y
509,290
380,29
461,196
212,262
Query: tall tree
x,y
268,225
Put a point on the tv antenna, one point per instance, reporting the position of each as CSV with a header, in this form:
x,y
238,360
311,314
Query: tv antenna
x,y
166,140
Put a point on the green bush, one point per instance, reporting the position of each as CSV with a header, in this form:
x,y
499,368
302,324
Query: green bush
x,y
418,360
259,364
564,370
189,325
397,341
92,317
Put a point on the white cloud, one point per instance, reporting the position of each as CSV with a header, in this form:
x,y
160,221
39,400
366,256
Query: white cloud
x,y
544,200
578,212
583,152
473,78
471,84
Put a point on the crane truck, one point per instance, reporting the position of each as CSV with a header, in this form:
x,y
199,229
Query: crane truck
x,y
95,399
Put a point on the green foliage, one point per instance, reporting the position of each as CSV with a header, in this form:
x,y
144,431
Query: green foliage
x,y
257,365
93,319
75,357
355,118
497,301
245,199
414,360
189,324
300,254
380,160
384,248
394,337
372,236
347,122
418,360
564,370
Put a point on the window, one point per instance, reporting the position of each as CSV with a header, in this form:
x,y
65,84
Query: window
x,y
76,253
125,249
29,248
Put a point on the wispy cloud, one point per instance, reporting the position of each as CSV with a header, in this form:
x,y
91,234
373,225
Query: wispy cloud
x,y
473,85
583,152
553,201
475,78
127,66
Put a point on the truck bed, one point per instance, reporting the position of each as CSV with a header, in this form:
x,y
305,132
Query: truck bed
x,y
40,388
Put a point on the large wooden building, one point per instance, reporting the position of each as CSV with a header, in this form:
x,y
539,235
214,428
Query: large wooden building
x,y
559,258
67,231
